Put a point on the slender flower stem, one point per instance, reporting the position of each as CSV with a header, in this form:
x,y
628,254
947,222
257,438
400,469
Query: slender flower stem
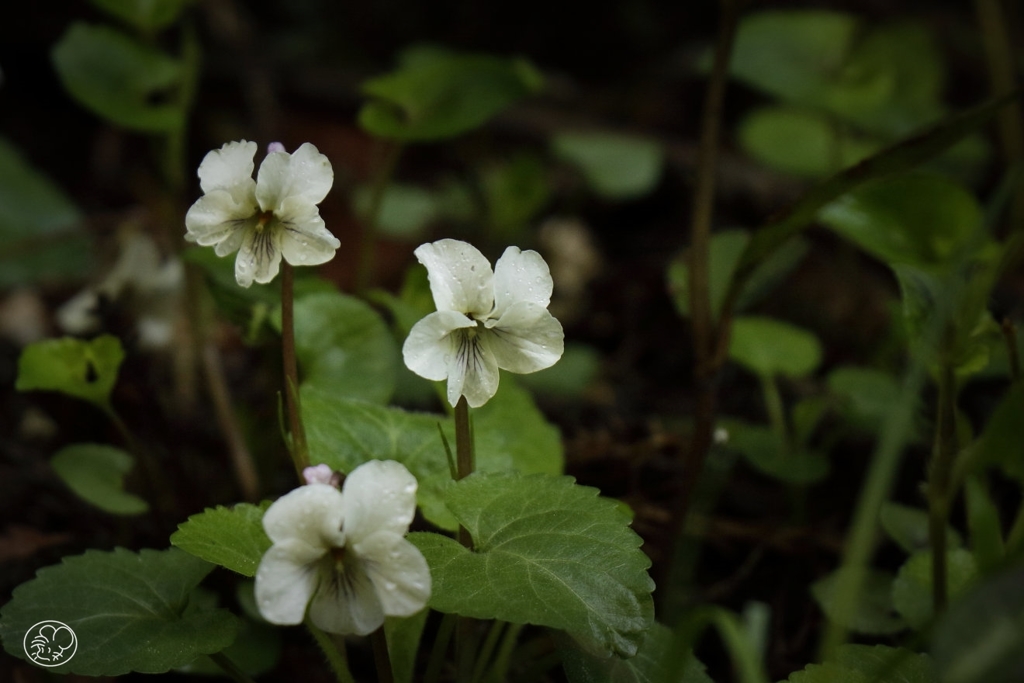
x,y
334,653
381,180
939,479
241,457
298,447
230,668
465,465
381,657
444,636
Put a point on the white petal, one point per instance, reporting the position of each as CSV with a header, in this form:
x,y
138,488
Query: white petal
x,y
285,581
526,339
306,174
259,257
399,572
230,244
521,276
313,514
460,277
305,240
473,372
215,216
347,603
227,167
379,495
430,347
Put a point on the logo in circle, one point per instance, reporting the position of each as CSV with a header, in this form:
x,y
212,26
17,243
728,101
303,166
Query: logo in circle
x,y
50,643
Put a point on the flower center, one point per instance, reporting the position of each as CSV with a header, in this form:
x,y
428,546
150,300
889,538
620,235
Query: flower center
x,y
263,219
338,556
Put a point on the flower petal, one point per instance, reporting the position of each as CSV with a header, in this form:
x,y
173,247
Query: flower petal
x,y
305,240
460,277
473,372
398,571
217,215
230,244
347,603
313,514
527,338
227,167
430,347
521,276
305,174
259,257
379,495
285,581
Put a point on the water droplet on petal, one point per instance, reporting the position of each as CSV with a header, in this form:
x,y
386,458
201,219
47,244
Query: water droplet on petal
x,y
389,585
410,488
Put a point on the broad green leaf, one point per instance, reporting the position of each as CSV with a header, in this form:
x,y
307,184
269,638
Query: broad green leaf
x,y
870,664
545,551
117,77
83,369
650,665
912,590
405,210
96,474
617,167
230,537
917,218
802,142
129,611
874,613
256,650
908,527
511,434
515,192
144,15
343,346
437,93
403,635
40,228
762,449
766,346
1002,441
981,638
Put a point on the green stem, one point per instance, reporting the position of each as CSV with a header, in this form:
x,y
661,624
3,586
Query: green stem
x,y
776,411
227,420
939,479
444,636
230,668
730,630
381,180
487,649
464,464
152,473
502,660
299,450
334,653
381,656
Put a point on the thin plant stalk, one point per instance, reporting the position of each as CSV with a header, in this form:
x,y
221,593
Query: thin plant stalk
x,y
241,458
437,652
381,181
156,482
939,479
230,668
381,656
487,649
464,463
298,447
334,653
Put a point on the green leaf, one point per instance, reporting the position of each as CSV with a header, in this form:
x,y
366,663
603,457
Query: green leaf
x,y
515,192
984,525
650,665
912,590
96,474
874,613
1002,441
83,369
343,347
917,218
617,167
403,635
129,611
437,93
40,228
546,552
229,537
511,434
908,527
981,638
870,664
144,15
256,650
405,210
769,347
763,450
117,77
801,142
869,395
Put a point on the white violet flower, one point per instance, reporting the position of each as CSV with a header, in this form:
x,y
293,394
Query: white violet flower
x,y
346,551
264,219
484,320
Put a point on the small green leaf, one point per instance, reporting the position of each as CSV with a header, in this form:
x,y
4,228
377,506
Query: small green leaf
x,y
984,526
766,346
617,167
981,638
515,192
403,636
117,77
230,537
405,210
1002,441
129,612
437,93
874,613
912,590
41,236
144,15
547,552
763,450
96,474
650,665
908,527
870,664
344,347
83,369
